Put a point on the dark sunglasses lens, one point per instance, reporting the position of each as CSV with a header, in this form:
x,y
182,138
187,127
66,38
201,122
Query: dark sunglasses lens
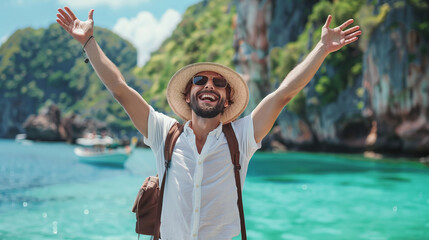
x,y
200,80
219,82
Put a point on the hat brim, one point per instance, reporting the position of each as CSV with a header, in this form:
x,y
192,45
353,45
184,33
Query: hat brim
x,y
178,82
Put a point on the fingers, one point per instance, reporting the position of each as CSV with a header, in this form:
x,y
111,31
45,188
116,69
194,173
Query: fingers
x,y
346,24
91,14
348,41
355,34
61,18
351,30
73,17
65,16
62,24
328,21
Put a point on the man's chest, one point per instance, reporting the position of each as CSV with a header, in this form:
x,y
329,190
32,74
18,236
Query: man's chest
x,y
213,161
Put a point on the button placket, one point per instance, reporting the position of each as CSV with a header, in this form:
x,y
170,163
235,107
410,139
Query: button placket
x,y
197,193
198,177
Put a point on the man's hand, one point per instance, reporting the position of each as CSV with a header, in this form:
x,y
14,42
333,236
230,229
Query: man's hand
x,y
79,30
334,39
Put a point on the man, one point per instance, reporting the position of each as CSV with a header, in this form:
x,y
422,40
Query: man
x,y
200,199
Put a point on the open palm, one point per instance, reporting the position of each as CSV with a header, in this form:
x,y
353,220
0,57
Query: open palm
x,y
336,38
78,29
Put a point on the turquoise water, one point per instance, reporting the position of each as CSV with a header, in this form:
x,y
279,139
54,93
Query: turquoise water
x,y
45,193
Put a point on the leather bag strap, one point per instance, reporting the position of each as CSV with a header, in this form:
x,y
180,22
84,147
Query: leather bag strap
x,y
170,142
235,158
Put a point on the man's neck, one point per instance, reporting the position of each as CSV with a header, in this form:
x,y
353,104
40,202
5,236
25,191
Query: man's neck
x,y
202,127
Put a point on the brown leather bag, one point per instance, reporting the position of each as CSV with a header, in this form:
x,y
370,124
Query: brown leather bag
x,y
148,204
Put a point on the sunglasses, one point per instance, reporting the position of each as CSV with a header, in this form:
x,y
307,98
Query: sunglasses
x,y
217,82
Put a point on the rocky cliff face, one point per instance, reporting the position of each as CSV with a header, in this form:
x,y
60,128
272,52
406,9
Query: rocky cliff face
x,y
386,107
396,79
252,46
45,126
13,113
49,125
260,26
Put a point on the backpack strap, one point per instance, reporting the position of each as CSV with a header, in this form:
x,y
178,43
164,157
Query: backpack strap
x,y
235,158
170,142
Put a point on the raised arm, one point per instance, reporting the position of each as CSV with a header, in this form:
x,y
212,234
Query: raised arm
x,y
136,107
267,111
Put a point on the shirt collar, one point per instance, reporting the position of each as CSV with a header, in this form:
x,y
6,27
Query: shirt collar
x,y
215,132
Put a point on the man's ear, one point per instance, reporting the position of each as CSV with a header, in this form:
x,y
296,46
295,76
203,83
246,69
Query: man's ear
x,y
226,104
188,99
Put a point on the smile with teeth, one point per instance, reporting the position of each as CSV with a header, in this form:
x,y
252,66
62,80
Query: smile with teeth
x,y
208,97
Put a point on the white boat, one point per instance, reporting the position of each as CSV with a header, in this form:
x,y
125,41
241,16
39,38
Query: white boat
x,y
95,140
22,138
97,151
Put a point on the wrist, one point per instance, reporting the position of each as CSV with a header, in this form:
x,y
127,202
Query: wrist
x,y
322,48
84,44
83,48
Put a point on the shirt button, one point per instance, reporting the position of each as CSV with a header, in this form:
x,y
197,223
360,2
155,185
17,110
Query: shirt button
x,y
199,162
194,235
197,186
196,209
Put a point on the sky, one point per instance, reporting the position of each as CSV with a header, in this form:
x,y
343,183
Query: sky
x,y
145,23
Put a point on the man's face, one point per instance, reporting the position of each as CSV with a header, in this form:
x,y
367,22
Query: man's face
x,y
208,100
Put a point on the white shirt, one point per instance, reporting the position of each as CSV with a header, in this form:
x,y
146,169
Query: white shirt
x,y
200,197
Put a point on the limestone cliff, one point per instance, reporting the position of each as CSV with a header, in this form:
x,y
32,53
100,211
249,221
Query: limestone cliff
x,y
396,78
383,101
260,26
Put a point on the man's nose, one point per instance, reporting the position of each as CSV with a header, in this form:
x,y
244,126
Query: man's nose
x,y
209,84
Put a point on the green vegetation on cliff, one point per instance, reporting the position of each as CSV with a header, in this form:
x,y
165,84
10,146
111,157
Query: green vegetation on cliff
x,y
338,72
204,34
46,65
343,68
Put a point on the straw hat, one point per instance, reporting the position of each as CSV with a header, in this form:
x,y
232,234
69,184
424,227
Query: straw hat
x,y
178,82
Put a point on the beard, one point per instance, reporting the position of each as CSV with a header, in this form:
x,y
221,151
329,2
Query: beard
x,y
207,111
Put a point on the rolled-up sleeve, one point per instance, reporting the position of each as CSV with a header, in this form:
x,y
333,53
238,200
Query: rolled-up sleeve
x,y
158,126
244,128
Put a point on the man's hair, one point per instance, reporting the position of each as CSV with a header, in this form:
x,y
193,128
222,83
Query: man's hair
x,y
229,92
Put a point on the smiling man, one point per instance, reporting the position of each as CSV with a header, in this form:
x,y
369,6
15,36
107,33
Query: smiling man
x,y
200,197
213,103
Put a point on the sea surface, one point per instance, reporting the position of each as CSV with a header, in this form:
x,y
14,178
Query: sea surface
x,y
46,193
